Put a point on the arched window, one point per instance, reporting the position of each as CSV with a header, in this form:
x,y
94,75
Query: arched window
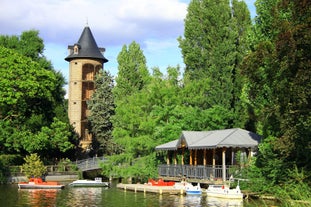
x,y
88,72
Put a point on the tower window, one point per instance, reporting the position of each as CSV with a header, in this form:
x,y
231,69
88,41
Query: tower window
x,y
75,49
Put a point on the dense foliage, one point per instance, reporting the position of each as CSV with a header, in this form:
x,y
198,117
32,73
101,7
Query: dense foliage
x,y
213,45
279,80
33,117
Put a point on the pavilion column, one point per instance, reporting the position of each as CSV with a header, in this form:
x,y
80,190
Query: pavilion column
x,y
190,157
195,157
175,158
204,157
224,164
249,154
232,156
214,157
168,158
182,156
214,163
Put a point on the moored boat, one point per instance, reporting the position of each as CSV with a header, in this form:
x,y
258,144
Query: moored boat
x,y
193,190
223,191
38,183
89,183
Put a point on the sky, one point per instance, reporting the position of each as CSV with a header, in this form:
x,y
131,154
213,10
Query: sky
x,y
154,24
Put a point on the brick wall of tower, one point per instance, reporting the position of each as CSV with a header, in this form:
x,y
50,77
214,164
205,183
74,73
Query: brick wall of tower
x,y
81,86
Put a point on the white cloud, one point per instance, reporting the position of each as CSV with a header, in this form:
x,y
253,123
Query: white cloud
x,y
119,21
154,24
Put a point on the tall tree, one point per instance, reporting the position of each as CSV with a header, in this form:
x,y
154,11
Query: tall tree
x,y
279,76
212,47
241,22
131,79
102,108
131,138
132,71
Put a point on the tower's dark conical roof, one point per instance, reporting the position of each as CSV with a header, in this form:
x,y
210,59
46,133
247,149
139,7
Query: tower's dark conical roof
x,y
87,47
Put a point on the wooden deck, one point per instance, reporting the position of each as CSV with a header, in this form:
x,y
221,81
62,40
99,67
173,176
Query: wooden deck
x,y
151,189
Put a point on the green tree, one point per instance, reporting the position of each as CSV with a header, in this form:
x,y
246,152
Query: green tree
x,y
293,82
33,166
26,91
102,108
30,45
278,70
130,137
132,71
212,47
31,94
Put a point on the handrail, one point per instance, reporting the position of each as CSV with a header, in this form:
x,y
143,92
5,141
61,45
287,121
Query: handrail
x,y
90,164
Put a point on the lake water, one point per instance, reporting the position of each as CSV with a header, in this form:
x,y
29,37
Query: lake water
x,y
11,196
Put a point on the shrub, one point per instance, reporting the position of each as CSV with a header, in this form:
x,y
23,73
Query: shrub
x,y
33,166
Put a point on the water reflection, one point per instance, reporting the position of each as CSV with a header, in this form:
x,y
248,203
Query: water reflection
x,y
181,200
38,197
83,196
193,200
108,197
196,201
224,202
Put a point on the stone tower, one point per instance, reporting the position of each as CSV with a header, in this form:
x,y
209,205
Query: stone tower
x,y
85,60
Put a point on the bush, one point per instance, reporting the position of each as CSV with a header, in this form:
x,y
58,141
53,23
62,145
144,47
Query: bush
x,y
33,166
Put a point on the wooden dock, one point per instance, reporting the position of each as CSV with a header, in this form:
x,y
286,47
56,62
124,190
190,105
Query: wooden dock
x,y
151,189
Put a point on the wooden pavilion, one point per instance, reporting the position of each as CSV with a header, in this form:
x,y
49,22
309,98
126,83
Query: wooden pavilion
x,y
207,155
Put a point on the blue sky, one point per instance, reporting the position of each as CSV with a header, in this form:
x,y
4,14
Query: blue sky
x,y
154,24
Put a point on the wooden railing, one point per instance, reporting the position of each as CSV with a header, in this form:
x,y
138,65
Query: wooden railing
x,y
90,164
207,172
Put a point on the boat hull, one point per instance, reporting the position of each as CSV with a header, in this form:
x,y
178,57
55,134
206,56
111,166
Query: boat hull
x,y
221,191
223,195
193,192
38,183
89,184
39,186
